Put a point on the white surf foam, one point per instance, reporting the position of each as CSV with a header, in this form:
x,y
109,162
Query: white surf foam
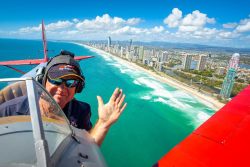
x,y
198,116
203,116
145,97
159,93
136,82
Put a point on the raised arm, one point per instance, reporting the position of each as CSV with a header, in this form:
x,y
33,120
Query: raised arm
x,y
108,114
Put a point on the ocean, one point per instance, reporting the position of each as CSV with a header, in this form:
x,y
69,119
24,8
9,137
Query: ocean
x,y
157,116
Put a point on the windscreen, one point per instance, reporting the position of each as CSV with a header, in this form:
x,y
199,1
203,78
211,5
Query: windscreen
x,y
16,133
55,124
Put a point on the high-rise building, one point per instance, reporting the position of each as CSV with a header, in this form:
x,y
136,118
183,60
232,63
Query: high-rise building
x,y
153,53
158,66
121,52
163,57
128,55
187,61
146,57
228,82
234,61
202,62
141,53
130,44
109,43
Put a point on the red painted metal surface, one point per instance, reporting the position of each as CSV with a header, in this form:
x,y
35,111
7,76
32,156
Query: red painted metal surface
x,y
22,62
223,140
45,50
15,69
36,61
82,57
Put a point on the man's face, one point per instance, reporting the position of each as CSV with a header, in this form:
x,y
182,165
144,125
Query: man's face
x,y
61,93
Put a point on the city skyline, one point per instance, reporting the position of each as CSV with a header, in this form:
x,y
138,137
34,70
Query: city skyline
x,y
224,23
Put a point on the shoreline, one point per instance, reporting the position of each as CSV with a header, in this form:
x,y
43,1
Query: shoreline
x,y
206,100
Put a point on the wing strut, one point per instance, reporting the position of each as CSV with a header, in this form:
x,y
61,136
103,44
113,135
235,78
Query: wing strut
x,y
45,50
15,69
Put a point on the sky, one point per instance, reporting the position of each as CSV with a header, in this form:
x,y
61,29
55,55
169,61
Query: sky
x,y
209,22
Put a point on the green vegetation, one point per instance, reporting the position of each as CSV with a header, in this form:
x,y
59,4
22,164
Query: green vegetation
x,y
206,73
238,87
240,80
173,62
245,60
145,66
220,76
204,83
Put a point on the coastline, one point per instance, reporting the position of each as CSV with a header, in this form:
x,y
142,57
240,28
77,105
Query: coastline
x,y
207,100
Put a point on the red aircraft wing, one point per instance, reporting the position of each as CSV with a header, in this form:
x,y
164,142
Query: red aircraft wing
x,y
223,140
82,57
21,62
35,61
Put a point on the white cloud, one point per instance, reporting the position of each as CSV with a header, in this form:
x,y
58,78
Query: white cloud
x,y
188,28
194,27
58,25
173,20
97,28
157,29
229,25
72,32
106,22
30,29
133,21
50,27
195,21
204,33
75,20
207,32
190,23
129,31
191,27
225,34
211,20
244,26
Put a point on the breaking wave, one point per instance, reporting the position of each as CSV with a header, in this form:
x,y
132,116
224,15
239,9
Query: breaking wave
x,y
159,92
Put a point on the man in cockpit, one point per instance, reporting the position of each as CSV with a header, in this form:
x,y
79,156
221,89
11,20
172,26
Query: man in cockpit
x,y
62,78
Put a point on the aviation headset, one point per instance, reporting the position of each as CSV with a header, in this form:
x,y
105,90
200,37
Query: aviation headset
x,y
65,57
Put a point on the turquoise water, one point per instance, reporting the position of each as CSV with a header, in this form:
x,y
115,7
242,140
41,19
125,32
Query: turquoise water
x,y
157,117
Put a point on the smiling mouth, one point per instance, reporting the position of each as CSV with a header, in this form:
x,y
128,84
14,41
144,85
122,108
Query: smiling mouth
x,y
60,94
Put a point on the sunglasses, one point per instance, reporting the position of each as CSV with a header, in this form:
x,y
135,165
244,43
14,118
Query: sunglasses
x,y
70,83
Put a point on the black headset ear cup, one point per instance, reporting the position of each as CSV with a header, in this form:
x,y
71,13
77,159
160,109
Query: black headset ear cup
x,y
81,85
40,74
40,79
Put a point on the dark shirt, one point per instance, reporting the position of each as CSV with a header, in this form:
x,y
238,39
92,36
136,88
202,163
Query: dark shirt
x,y
77,112
16,106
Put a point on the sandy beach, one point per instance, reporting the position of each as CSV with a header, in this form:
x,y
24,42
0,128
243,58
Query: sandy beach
x,y
207,100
